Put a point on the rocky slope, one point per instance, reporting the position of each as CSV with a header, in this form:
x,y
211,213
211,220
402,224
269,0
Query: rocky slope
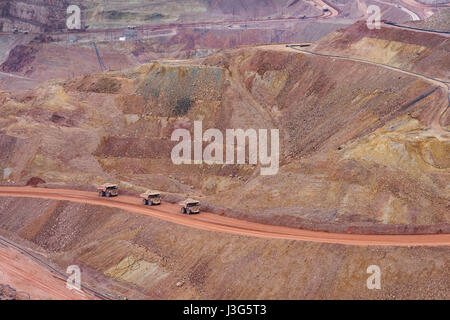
x,y
53,57
423,53
50,15
136,256
33,15
359,146
439,21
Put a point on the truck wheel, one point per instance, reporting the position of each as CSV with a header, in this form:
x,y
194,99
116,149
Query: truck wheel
x,y
188,211
108,194
100,193
144,202
183,210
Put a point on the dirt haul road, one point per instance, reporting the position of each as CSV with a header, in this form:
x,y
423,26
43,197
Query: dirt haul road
x,y
435,123
226,24
213,222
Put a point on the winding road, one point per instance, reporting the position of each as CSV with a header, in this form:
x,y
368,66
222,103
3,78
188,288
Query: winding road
x,y
436,122
213,222
23,269
412,14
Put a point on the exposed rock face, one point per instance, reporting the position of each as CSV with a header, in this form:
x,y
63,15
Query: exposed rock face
x,y
34,181
439,21
355,151
34,15
361,144
4,8
262,8
19,59
8,293
79,59
148,258
420,52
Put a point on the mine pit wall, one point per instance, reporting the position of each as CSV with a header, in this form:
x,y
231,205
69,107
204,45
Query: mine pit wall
x,y
294,221
124,150
175,262
214,38
33,15
419,52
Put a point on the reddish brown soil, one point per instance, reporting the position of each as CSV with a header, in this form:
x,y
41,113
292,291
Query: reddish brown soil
x,y
23,278
9,293
212,222
155,259
20,58
34,181
427,53
117,126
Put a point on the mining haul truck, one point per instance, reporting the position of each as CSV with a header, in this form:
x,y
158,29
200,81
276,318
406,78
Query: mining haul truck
x,y
190,206
152,198
108,190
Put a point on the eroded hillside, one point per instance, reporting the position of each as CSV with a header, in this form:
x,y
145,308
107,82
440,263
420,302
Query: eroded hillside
x,y
41,58
139,257
420,52
360,146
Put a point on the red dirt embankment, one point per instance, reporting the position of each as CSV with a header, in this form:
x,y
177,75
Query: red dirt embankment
x,y
34,181
355,150
154,259
420,52
20,58
23,278
212,222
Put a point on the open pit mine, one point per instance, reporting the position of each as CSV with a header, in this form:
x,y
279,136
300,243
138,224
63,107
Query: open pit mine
x,y
224,150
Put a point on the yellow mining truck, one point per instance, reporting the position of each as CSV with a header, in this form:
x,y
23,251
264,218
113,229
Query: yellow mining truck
x,y
108,190
152,198
190,206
